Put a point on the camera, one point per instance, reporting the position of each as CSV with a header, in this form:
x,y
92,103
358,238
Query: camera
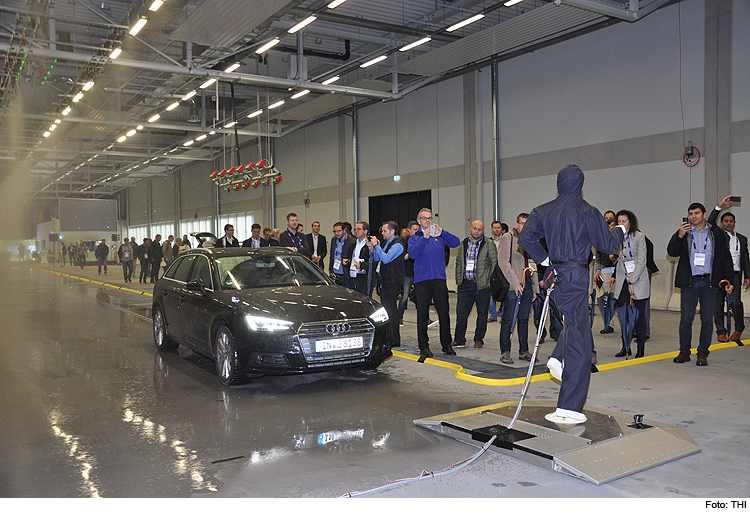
x,y
369,238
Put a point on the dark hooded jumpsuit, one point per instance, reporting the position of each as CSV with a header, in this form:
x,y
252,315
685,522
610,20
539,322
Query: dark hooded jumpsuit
x,y
571,226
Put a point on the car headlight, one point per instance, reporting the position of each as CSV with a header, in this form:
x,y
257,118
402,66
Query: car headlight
x,y
379,316
257,323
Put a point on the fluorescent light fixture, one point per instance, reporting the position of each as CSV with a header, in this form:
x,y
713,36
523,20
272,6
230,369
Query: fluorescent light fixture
x,y
139,127
78,97
88,85
189,143
268,45
156,5
52,128
154,118
189,95
66,110
230,124
138,26
130,133
512,2
466,22
233,67
115,53
331,80
201,137
254,114
46,134
172,106
415,44
307,21
276,104
369,63
57,121
335,4
300,94
212,132
207,83
120,139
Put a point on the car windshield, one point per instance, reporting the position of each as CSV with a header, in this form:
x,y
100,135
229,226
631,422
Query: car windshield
x,y
252,271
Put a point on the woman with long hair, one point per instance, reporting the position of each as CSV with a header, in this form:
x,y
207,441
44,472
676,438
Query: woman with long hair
x,y
631,277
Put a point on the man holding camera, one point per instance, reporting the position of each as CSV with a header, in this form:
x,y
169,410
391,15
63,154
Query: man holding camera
x,y
740,264
391,274
427,249
703,249
358,258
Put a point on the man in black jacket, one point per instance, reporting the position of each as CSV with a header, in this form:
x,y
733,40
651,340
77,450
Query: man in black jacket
x,y
143,256
102,253
154,256
228,240
741,264
291,238
391,275
317,244
703,250
338,266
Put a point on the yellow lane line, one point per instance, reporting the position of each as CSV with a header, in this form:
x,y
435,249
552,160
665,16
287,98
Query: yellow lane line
x,y
134,291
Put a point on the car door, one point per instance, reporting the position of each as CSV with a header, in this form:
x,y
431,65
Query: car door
x,y
173,295
198,305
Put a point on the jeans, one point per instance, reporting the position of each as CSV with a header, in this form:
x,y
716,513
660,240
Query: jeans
x,y
127,269
468,296
522,321
99,263
437,291
145,270
702,292
408,282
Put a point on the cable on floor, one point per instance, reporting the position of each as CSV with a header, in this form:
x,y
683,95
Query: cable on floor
x,y
425,474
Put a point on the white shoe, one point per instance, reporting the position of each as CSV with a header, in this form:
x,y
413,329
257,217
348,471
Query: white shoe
x,y
433,324
555,368
566,416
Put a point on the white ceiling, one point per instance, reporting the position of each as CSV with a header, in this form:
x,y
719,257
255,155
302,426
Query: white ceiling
x,y
50,49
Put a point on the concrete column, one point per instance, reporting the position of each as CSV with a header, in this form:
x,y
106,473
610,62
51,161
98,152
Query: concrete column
x,y
717,103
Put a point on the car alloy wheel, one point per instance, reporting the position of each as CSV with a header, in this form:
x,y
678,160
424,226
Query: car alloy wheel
x,y
161,338
227,358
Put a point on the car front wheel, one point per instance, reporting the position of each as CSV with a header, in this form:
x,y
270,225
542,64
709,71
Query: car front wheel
x,y
161,337
227,357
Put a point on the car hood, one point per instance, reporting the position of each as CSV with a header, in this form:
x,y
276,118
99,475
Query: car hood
x,y
303,304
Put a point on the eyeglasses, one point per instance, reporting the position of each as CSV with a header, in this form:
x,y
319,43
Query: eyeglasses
x,y
425,218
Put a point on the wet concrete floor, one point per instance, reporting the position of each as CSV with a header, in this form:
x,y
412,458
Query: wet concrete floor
x,y
89,408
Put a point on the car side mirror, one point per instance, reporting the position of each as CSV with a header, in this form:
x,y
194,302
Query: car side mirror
x,y
196,285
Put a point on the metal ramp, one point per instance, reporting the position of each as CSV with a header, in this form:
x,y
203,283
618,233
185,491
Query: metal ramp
x,y
606,447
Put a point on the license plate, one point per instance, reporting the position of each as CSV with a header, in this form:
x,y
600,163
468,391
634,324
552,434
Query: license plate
x,y
339,344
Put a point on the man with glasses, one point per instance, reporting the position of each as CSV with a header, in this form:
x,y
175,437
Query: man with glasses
x,y
427,249
228,240
338,267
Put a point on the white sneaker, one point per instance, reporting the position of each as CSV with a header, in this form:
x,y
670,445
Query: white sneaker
x,y
555,368
433,324
566,416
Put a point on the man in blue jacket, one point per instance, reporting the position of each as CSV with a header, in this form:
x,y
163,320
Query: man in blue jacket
x,y
571,226
427,248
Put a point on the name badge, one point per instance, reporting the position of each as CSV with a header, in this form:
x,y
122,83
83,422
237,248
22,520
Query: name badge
x,y
736,262
700,259
337,264
629,266
470,264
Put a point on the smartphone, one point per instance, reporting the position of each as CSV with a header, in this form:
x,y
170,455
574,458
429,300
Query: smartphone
x,y
686,220
432,230
735,199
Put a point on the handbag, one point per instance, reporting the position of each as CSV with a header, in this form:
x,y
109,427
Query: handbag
x,y
499,286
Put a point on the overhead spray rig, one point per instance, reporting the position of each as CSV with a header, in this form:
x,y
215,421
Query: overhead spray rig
x,y
260,173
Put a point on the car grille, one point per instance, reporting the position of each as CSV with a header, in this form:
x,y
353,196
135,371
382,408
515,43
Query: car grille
x,y
309,333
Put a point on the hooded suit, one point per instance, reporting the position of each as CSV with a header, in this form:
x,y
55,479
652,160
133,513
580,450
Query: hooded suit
x,y
571,226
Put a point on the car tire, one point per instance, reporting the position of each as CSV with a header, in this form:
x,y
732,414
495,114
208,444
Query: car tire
x,y
161,337
226,356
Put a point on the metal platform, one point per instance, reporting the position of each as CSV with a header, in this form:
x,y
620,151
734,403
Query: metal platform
x,y
606,447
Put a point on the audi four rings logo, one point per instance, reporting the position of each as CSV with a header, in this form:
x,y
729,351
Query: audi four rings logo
x,y
337,328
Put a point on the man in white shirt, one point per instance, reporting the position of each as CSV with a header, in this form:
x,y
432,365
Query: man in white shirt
x,y
255,241
741,264
318,246
360,258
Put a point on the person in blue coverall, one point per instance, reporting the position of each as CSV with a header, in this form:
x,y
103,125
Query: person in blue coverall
x,y
428,252
571,226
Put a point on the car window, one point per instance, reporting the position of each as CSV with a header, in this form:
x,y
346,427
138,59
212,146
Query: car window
x,y
267,270
202,271
173,268
183,270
